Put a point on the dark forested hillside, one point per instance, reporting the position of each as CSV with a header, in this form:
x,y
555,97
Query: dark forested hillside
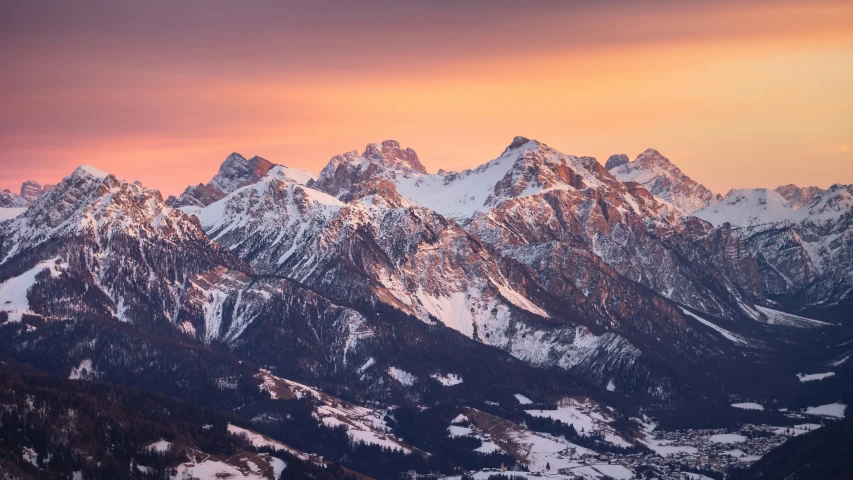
x,y
52,427
825,453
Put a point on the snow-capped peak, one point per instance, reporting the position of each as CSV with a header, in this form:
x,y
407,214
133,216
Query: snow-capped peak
x,y
663,180
519,142
90,171
525,167
235,172
386,159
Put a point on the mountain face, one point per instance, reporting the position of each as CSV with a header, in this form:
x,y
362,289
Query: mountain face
x,y
797,197
543,255
235,172
801,252
536,273
96,230
30,191
663,179
548,257
492,280
10,200
385,159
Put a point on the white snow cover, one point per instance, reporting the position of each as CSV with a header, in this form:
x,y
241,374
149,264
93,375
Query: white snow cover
x,y
663,447
814,376
722,331
727,438
599,470
749,207
13,292
829,410
91,171
796,429
7,213
487,447
452,310
522,399
696,476
30,455
402,376
457,431
666,181
756,208
840,361
448,380
460,310
775,317
259,440
748,406
738,453
159,446
84,371
299,176
259,209
461,195
361,423
212,470
587,418
537,448
369,363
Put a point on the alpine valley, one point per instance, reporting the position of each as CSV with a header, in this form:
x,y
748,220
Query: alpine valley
x,y
540,315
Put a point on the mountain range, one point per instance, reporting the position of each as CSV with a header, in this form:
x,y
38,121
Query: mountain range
x,y
537,274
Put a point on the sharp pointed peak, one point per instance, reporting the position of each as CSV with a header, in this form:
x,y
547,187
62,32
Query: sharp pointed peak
x,y
235,156
90,171
519,141
616,161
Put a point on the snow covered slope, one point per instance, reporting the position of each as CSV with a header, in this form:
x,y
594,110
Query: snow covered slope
x,y
116,236
524,168
801,251
662,179
749,208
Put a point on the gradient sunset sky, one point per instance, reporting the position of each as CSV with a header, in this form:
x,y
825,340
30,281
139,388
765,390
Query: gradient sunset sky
x,y
738,94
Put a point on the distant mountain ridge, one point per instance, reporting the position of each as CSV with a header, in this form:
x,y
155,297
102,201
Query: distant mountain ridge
x,y
536,274
30,191
532,236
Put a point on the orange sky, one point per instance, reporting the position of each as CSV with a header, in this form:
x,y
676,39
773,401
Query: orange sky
x,y
737,95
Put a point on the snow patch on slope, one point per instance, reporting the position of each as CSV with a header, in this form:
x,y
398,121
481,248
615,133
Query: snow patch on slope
x,y
91,171
722,331
403,377
84,371
829,410
587,418
775,317
814,376
13,292
748,207
748,406
448,380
